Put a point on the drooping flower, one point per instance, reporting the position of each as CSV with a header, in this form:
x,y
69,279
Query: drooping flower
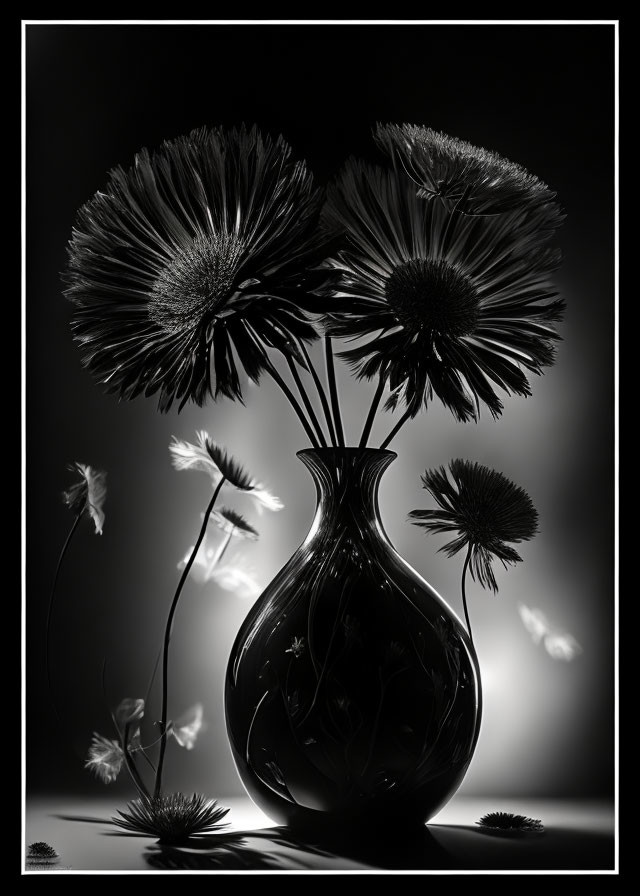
x,y
191,261
89,494
172,818
297,647
452,170
455,306
233,523
486,509
507,821
209,457
186,728
105,758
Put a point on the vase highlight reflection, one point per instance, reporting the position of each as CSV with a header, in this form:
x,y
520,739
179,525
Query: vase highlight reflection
x,y
352,691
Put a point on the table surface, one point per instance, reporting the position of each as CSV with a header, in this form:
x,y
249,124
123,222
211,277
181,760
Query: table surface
x,y
578,836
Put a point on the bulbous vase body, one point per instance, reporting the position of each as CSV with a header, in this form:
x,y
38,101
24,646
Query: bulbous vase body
x,y
352,693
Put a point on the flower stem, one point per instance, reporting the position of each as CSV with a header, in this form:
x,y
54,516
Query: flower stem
x,y
464,593
131,763
295,404
321,393
396,429
223,547
333,390
123,738
307,403
167,637
50,613
366,432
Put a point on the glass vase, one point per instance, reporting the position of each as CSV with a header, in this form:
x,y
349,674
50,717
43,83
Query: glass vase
x,y
352,693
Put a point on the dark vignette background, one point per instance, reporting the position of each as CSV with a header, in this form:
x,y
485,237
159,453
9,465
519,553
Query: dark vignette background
x,y
540,95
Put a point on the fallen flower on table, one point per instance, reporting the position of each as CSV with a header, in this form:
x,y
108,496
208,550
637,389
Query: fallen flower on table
x,y
507,821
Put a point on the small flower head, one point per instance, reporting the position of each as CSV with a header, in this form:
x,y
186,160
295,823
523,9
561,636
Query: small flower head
x,y
209,457
449,169
105,758
172,818
129,710
186,728
297,647
535,622
486,510
558,644
88,494
233,523
41,850
507,821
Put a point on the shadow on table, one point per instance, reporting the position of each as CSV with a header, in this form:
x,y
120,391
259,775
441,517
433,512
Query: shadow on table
x,y
434,847
280,849
554,849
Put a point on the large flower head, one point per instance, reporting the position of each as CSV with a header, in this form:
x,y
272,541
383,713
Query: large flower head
x,y
192,260
456,306
455,171
88,494
486,509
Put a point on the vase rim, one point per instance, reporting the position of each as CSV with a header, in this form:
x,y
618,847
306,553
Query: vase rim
x,y
351,450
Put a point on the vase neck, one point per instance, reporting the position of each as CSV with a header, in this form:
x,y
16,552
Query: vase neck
x,y
346,481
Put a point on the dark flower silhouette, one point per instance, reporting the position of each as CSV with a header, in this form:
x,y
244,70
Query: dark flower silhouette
x,y
486,509
172,818
456,306
197,255
41,851
476,180
506,821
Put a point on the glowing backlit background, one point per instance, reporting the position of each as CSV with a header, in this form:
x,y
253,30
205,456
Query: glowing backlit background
x,y
540,95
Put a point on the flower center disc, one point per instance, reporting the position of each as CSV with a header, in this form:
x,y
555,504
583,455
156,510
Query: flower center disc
x,y
433,294
196,283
